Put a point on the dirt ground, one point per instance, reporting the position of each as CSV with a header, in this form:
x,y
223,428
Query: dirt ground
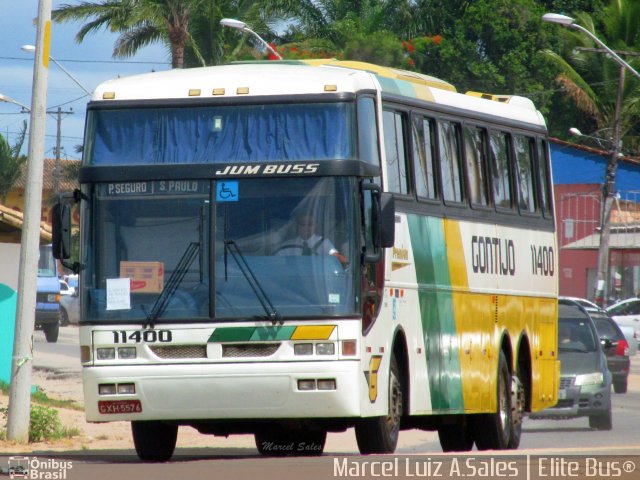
x,y
98,436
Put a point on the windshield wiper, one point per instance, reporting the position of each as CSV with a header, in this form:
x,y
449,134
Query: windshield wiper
x,y
261,295
170,288
232,247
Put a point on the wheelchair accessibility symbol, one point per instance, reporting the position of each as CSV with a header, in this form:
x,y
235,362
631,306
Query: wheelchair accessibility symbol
x,y
227,191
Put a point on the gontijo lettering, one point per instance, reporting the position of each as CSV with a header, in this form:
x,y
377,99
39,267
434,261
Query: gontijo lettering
x,y
492,255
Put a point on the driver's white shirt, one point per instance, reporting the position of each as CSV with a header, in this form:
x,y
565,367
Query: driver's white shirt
x,y
317,244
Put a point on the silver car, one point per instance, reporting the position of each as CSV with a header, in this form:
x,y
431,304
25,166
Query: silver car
x,y
585,379
69,309
626,313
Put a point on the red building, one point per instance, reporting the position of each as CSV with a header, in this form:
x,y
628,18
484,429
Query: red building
x,y
578,175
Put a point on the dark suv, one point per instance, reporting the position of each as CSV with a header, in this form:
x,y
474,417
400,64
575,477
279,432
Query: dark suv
x,y
616,349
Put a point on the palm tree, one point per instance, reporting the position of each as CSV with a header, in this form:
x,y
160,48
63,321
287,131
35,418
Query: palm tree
x,y
139,23
11,163
591,80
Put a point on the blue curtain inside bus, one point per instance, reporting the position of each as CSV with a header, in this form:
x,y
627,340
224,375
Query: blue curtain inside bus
x,y
239,133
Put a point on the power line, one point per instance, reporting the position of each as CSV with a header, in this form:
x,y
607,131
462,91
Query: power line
x,y
67,60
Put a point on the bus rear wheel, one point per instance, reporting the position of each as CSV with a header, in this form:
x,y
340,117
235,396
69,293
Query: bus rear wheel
x,y
380,434
492,431
154,441
285,442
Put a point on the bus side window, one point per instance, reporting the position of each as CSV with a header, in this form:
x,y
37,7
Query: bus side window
x,y
524,170
475,142
367,131
422,131
543,172
450,161
500,170
394,146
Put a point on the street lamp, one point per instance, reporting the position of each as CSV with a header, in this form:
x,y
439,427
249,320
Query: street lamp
x,y
32,49
571,23
239,25
8,99
608,188
59,113
577,133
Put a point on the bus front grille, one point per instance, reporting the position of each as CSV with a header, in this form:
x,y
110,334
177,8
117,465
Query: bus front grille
x,y
180,351
249,350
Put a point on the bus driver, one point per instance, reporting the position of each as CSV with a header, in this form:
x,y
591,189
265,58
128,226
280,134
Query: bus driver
x,y
308,242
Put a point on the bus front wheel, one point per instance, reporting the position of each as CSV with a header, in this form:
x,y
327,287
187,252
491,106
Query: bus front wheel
x,y
380,434
154,441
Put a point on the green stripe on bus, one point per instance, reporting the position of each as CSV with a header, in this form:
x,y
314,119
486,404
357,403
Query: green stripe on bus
x,y
251,334
436,311
272,333
237,334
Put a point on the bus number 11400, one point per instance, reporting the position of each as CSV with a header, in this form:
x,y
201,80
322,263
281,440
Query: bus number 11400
x,y
542,260
139,336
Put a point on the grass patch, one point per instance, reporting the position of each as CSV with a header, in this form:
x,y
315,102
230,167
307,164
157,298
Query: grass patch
x,y
41,398
44,424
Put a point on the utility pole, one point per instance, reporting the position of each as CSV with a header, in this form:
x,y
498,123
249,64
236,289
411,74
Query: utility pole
x,y
57,171
608,197
22,363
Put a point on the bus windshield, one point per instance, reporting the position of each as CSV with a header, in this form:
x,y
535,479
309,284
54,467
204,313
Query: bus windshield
x,y
220,134
198,250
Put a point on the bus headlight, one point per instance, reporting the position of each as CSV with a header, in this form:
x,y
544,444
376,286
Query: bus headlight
x,y
107,389
106,353
126,389
303,349
127,353
325,349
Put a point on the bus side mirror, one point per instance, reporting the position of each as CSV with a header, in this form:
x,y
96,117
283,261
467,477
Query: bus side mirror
x,y
380,218
387,220
61,231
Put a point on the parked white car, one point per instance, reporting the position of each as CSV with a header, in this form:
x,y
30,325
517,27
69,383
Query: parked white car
x,y
626,313
69,305
65,289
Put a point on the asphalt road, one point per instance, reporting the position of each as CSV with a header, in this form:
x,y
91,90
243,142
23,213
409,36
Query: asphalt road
x,y
558,442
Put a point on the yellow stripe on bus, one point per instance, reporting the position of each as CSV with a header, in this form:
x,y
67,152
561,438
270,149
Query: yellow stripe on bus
x,y
313,332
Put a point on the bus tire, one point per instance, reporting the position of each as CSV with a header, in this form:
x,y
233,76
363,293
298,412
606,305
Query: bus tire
x,y
456,438
518,402
51,331
283,443
380,434
154,441
492,431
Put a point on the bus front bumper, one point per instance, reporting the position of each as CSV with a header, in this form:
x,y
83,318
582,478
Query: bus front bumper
x,y
223,391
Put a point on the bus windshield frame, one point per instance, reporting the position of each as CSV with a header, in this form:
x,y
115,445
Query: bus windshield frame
x,y
204,250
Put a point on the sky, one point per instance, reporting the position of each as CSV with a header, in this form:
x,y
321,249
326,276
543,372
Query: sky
x,y
90,62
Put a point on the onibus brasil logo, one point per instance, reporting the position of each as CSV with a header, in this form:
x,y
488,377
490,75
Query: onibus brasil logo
x,y
37,469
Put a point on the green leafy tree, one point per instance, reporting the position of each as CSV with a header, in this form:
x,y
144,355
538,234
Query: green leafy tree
x,y
11,163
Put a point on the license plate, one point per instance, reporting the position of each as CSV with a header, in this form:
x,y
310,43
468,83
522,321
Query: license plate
x,y
562,394
119,406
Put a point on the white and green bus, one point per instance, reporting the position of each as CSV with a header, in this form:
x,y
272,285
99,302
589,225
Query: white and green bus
x,y
424,297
